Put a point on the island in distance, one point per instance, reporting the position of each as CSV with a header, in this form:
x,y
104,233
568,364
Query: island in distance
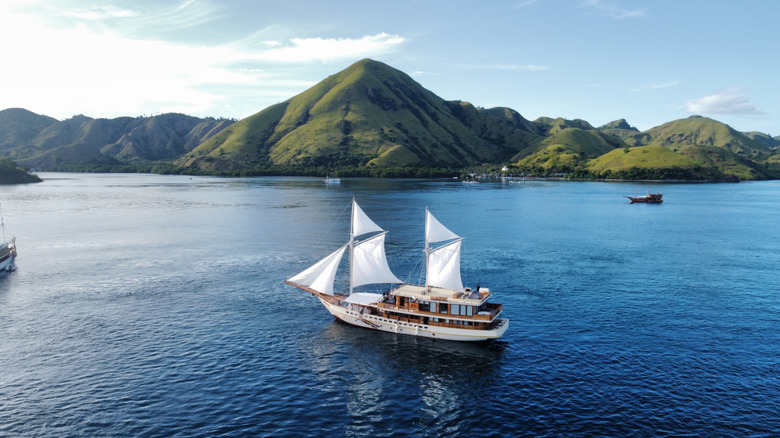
x,y
373,120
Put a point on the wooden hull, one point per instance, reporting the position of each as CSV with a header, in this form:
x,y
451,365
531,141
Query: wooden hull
x,y
359,315
644,201
651,198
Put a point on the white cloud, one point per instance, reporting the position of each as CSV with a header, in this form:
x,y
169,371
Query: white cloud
x,y
656,86
331,49
612,10
731,101
72,67
103,12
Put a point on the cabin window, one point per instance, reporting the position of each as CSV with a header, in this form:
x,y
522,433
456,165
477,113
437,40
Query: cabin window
x,y
433,307
470,310
442,308
455,309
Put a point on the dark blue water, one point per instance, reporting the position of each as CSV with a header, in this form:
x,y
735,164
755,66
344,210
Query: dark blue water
x,y
154,306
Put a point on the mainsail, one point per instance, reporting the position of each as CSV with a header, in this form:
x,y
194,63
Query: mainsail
x,y
368,262
442,263
444,267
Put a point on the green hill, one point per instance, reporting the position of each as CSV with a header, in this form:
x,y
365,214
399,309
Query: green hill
x,y
371,119
550,126
767,140
10,173
368,115
19,126
566,150
622,130
726,161
45,143
703,131
651,162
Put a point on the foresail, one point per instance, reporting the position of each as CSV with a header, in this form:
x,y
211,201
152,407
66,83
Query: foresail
x,y
369,263
444,267
435,231
361,223
320,276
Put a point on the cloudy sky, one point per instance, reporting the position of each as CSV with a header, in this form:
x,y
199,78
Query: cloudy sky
x,y
648,61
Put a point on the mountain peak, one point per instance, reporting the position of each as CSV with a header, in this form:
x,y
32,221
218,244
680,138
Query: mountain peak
x,y
367,115
619,124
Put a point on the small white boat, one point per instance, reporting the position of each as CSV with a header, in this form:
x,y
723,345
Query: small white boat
x,y
329,180
7,249
441,308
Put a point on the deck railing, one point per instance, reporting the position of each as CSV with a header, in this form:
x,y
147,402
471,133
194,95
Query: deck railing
x,y
492,309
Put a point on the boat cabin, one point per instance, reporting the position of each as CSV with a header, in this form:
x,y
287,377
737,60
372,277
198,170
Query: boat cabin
x,y
440,307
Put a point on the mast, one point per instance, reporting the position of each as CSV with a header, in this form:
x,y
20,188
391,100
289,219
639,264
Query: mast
x,y
351,244
427,251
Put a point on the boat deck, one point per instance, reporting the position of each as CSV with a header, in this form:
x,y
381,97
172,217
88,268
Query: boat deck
x,y
439,294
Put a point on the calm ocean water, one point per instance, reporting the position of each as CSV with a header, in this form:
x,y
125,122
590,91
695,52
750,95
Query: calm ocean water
x,y
149,305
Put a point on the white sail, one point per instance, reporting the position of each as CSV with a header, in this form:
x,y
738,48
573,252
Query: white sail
x,y
361,223
369,263
444,267
320,276
435,231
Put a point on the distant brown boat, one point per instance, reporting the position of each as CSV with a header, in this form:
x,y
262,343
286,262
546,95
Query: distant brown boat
x,y
650,198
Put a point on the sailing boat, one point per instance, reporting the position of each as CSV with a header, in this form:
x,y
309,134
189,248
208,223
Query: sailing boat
x,y
441,308
7,249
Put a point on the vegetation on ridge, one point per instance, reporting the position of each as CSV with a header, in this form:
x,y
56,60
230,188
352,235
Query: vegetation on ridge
x,y
11,173
373,120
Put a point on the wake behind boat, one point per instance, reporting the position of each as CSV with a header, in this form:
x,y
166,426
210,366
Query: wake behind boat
x,y
441,308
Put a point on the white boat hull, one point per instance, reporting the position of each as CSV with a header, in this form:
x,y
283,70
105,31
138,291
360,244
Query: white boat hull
x,y
352,315
8,264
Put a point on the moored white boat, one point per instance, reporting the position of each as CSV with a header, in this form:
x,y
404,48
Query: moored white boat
x,y
7,249
441,308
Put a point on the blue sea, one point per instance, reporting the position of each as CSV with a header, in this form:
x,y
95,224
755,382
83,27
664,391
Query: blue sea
x,y
154,306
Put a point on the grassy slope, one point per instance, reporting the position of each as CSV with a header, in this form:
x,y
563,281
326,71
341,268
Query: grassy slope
x,y
726,161
569,147
704,131
380,114
368,114
643,157
19,126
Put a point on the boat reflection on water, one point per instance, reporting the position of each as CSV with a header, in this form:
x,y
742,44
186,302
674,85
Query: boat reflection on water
x,y
414,353
429,383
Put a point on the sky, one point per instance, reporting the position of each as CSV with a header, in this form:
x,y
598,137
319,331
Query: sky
x,y
649,62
